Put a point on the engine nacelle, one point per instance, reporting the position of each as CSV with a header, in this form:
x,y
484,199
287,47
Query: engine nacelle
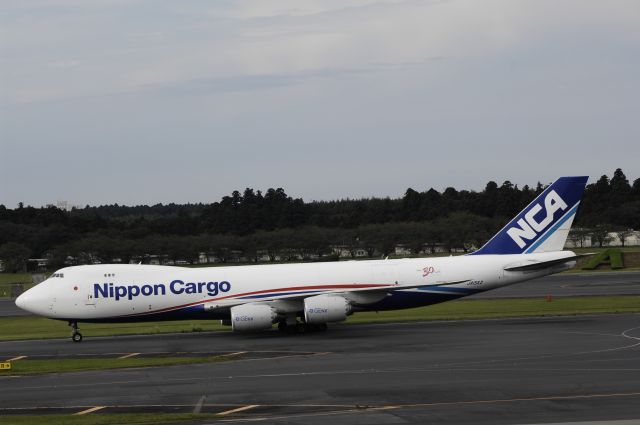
x,y
252,317
326,308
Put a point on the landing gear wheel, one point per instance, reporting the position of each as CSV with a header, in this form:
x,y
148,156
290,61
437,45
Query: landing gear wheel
x,y
76,336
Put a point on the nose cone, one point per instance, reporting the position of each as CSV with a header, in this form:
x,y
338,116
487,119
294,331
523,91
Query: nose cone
x,y
22,300
35,300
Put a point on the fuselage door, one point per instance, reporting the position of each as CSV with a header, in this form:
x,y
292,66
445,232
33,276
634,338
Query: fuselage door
x,y
89,297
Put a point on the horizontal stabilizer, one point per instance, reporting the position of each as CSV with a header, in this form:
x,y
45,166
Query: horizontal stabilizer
x,y
541,265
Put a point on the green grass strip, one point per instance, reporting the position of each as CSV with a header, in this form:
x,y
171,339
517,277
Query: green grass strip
x,y
108,419
32,327
15,278
611,257
517,307
7,280
29,327
33,367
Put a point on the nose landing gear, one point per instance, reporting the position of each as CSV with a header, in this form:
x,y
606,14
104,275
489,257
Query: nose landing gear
x,y
76,336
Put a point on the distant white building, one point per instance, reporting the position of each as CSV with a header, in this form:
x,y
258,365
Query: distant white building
x,y
343,251
585,240
631,238
402,250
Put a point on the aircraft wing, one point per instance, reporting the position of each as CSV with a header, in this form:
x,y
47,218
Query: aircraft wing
x,y
336,289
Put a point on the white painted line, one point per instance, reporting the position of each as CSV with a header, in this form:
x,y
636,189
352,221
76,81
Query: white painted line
x,y
238,353
239,409
93,409
16,358
198,406
126,356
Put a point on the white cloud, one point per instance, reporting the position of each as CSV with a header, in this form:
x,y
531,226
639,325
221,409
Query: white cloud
x,y
281,82
122,49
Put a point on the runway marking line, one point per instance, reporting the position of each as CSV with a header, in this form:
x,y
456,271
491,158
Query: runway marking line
x,y
406,406
512,400
198,406
16,358
349,408
126,356
91,410
237,353
238,409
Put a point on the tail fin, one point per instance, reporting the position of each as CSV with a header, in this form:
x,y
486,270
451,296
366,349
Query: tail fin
x,y
544,224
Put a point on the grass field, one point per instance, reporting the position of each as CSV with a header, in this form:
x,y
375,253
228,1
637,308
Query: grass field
x,y
32,327
7,279
29,327
518,307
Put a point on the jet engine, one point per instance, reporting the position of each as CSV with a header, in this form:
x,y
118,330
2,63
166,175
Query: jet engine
x,y
326,308
252,317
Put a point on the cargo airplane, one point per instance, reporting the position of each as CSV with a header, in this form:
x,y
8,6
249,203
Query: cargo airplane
x,y
308,296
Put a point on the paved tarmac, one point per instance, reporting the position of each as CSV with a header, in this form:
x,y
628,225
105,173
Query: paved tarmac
x,y
8,308
511,371
561,285
571,285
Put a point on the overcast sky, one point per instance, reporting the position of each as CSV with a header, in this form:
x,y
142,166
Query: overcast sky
x,y
139,102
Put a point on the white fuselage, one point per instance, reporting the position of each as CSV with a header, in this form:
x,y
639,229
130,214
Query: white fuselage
x,y
145,292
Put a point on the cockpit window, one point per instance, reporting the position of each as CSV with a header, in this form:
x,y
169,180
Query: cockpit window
x,y
57,275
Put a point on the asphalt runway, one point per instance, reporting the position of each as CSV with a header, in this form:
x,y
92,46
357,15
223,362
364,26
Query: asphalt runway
x,y
8,308
571,285
511,371
561,285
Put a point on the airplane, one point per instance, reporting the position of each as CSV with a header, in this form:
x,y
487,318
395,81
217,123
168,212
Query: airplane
x,y
308,296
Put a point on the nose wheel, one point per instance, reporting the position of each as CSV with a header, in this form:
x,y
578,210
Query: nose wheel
x,y
76,336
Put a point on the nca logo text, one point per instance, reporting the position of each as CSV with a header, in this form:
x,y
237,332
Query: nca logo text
x,y
530,226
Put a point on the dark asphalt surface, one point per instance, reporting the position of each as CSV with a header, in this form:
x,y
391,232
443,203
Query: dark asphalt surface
x,y
563,285
512,371
571,285
8,308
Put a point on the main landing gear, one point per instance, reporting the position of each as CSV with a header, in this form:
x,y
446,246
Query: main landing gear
x,y
76,336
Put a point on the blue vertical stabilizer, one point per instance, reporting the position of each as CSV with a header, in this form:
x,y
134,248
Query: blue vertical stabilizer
x,y
544,225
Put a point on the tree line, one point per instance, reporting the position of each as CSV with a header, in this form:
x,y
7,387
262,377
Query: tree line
x,y
251,224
